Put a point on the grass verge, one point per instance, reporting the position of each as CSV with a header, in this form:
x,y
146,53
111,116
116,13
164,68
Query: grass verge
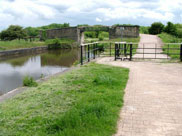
x,y
167,38
16,44
83,102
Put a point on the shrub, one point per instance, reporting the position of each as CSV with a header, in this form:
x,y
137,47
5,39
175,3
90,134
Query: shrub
x,y
171,29
104,34
60,43
29,81
101,38
144,29
101,47
156,28
90,34
13,32
179,30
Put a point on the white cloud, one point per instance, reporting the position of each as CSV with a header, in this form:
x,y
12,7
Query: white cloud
x,y
98,19
170,5
41,12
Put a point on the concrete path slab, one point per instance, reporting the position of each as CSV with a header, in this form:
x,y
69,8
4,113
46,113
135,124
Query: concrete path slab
x,y
153,96
153,99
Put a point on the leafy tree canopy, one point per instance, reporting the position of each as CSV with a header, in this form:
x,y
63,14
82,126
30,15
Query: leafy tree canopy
x,y
171,29
13,32
156,28
32,31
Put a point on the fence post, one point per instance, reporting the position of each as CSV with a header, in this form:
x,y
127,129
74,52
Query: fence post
x,y
115,53
94,51
125,49
85,49
81,59
181,52
131,49
110,50
88,52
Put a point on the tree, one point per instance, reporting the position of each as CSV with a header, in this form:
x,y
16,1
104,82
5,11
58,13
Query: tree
x,y
32,31
55,26
156,28
144,29
13,32
171,29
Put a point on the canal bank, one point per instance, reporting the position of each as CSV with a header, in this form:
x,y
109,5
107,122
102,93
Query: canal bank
x,y
22,51
37,65
19,90
79,102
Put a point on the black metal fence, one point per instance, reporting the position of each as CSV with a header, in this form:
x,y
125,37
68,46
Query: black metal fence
x,y
154,51
130,51
124,50
148,51
90,51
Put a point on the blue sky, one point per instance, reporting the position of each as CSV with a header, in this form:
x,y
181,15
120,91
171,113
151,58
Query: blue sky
x,y
106,12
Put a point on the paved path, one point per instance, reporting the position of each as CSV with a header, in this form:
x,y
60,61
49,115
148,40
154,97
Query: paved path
x,y
153,99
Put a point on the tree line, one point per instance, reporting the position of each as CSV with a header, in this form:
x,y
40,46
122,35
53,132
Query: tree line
x,y
18,32
158,27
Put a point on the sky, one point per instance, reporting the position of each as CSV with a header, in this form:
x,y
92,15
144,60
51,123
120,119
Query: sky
x,y
105,12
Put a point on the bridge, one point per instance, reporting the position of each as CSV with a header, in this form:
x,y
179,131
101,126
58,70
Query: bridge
x,y
77,33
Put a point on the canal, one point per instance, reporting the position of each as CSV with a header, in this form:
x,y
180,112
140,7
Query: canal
x,y
14,69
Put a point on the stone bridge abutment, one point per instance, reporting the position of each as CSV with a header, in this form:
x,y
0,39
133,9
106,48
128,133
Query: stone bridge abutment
x,y
77,33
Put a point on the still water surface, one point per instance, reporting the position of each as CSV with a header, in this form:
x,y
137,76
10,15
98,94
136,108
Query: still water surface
x,y
13,70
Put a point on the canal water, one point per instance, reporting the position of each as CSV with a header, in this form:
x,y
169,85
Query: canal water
x,y
13,70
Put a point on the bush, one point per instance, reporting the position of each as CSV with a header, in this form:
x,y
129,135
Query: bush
x,y
144,29
104,34
101,47
32,31
156,28
60,43
179,33
101,38
12,33
90,34
171,29
29,81
179,30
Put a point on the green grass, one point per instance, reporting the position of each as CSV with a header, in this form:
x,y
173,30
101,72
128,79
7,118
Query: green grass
x,y
89,40
16,44
133,40
82,102
167,38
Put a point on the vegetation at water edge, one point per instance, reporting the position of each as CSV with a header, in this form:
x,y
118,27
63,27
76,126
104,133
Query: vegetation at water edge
x,y
82,102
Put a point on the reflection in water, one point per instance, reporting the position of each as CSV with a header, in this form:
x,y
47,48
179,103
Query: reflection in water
x,y
12,71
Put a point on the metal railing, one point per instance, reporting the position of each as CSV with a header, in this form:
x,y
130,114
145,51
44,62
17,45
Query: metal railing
x,y
130,51
153,51
88,51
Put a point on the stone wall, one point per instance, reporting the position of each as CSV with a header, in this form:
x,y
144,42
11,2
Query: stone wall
x,y
77,33
128,32
69,33
23,51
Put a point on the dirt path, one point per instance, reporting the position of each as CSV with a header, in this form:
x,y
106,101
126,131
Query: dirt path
x,y
148,42
153,99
